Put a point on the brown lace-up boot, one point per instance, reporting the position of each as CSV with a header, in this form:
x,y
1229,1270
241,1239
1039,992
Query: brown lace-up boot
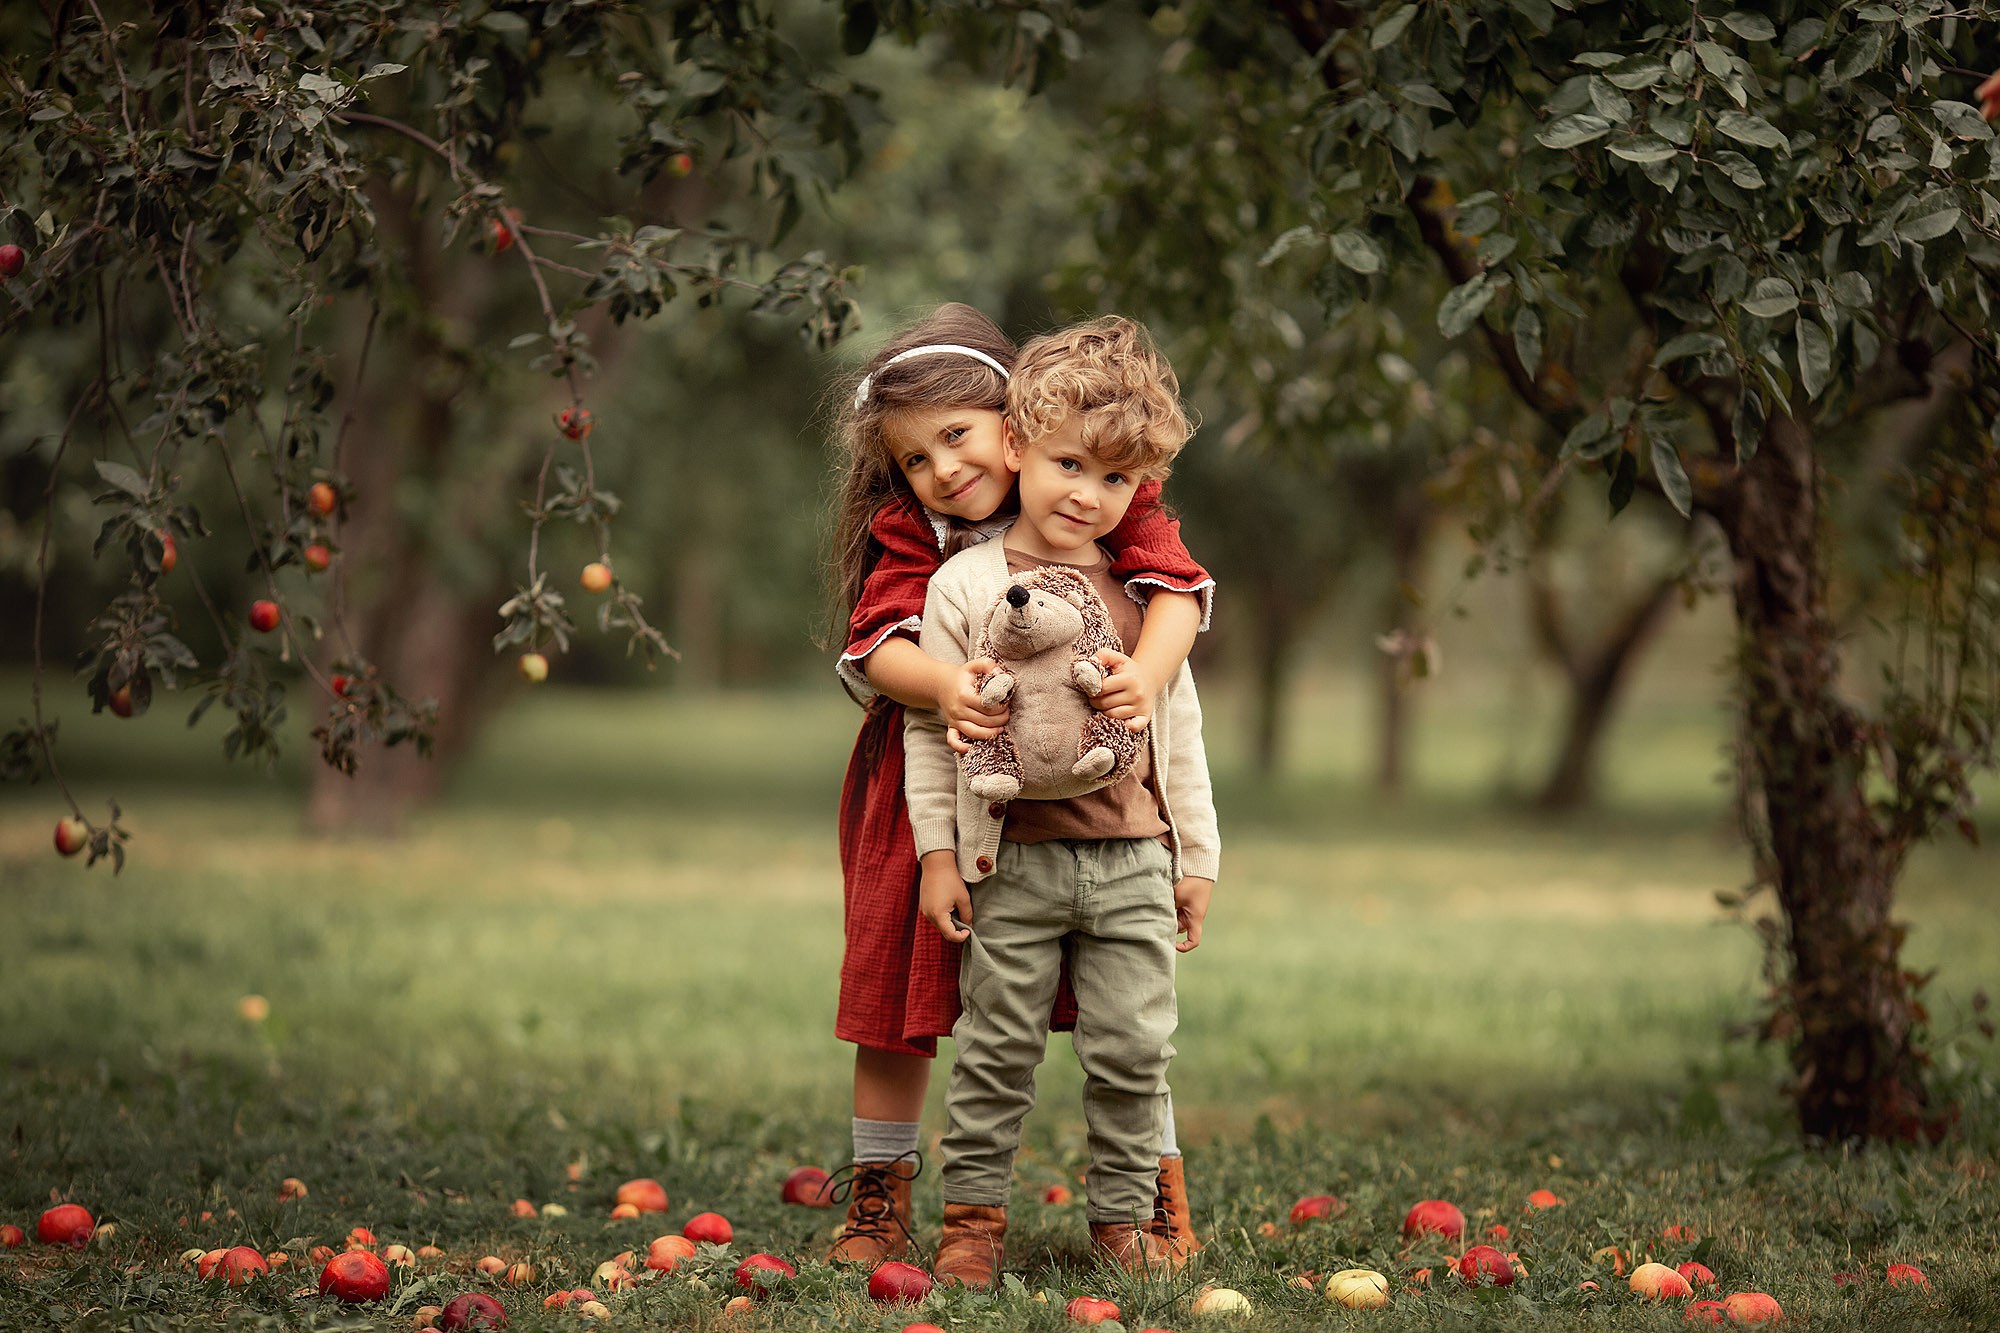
x,y
1173,1221
974,1246
1132,1247
878,1211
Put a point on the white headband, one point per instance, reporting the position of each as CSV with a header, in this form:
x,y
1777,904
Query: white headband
x,y
929,349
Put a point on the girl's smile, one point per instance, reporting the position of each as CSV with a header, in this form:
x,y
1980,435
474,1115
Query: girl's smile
x,y
954,458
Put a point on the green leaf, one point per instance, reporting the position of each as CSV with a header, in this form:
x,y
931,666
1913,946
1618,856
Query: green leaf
x,y
1682,346
1528,338
1715,59
504,23
1624,480
1771,298
1929,218
1858,54
1852,290
1673,478
1287,242
857,28
122,477
1358,251
382,71
1749,129
1636,73
1645,148
1750,27
1389,29
1593,430
1815,357
1462,304
1573,130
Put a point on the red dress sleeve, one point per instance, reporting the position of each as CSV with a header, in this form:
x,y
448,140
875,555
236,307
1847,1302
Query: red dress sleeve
x,y
892,598
1147,552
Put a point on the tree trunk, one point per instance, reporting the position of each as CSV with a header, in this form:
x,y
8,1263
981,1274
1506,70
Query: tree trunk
x,y
1409,537
1594,689
1846,1007
1277,638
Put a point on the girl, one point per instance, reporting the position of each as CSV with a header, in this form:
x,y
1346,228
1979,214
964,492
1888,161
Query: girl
x,y
924,436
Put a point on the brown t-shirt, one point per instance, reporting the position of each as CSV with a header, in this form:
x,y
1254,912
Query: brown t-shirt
x,y
1127,808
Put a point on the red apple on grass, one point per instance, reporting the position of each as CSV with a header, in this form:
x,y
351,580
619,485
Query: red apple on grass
x,y
1906,1275
805,1186
1659,1282
472,1310
1220,1301
12,1236
1056,1195
1546,1199
263,616
13,258
235,1265
1752,1307
712,1228
291,1188
645,1194
891,1282
1090,1310
355,1276
67,1223
360,1238
1434,1217
1707,1312
921,1328
1484,1266
1314,1206
760,1272
1697,1275
71,836
666,1253
399,1255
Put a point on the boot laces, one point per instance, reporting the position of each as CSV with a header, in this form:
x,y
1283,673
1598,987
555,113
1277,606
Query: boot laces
x,y
868,1187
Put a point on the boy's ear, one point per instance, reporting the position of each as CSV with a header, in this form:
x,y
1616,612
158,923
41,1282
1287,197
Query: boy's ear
x,y
1011,444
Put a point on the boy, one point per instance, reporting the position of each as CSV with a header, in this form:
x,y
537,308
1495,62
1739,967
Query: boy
x,y
1093,411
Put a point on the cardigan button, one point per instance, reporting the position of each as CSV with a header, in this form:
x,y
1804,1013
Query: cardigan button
x,y
997,809
985,864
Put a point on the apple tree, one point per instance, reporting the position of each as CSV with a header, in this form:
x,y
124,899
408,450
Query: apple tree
x,y
279,283
1708,250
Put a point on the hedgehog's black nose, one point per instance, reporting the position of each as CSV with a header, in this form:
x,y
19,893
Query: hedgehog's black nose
x,y
1017,596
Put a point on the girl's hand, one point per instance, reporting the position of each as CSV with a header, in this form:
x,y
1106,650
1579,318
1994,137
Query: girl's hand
x,y
1191,896
942,894
963,711
1129,690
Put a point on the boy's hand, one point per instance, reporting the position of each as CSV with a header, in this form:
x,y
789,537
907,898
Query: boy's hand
x,y
966,716
1129,690
1191,896
942,894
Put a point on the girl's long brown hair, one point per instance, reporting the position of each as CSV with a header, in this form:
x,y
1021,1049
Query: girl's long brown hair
x,y
867,476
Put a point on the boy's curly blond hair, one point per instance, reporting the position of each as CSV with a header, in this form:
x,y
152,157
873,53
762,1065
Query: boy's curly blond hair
x,y
1108,373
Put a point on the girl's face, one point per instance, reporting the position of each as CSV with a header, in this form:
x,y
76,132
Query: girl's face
x,y
954,458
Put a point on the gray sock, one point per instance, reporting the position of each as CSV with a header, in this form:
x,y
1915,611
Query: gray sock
x,y
1170,1142
884,1140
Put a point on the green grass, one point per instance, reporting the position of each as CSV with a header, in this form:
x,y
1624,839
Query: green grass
x,y
616,944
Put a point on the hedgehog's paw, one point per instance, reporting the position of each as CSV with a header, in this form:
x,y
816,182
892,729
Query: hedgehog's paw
x,y
1096,762
996,786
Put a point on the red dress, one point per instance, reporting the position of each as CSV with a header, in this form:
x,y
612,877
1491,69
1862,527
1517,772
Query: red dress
x,y
899,976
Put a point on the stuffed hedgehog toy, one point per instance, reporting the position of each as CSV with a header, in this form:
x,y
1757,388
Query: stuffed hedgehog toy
x,y
1042,632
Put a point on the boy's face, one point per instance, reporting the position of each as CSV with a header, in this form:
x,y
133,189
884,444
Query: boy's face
x,y
1068,497
954,459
